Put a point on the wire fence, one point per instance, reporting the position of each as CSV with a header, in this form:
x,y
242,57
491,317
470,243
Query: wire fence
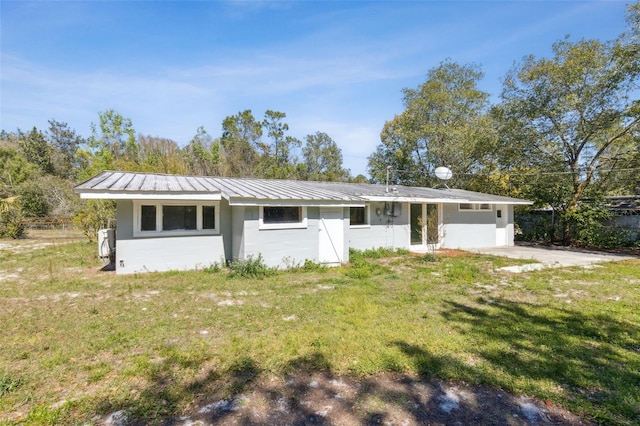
x,y
48,224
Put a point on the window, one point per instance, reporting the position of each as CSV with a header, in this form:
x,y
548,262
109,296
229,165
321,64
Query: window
x,y
474,207
148,218
282,214
208,217
179,218
282,217
173,218
358,216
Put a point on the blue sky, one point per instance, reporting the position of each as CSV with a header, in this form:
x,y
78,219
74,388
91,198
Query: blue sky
x,y
332,66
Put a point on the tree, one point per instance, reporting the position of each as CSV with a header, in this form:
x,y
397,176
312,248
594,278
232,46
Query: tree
x,y
202,155
160,155
113,142
36,149
66,143
323,159
575,116
241,134
445,123
276,160
14,168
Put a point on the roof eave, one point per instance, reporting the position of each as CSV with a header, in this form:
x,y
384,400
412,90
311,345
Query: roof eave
x,y
155,195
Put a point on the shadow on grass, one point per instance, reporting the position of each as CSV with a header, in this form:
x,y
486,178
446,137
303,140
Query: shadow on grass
x,y
309,393
589,362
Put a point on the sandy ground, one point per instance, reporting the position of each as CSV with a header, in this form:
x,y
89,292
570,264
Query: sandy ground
x,y
383,399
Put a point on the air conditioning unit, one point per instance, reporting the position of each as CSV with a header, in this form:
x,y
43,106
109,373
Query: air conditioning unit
x,y
106,243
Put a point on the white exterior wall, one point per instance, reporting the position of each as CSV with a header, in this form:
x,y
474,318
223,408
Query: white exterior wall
x,y
279,248
383,231
473,229
468,229
146,254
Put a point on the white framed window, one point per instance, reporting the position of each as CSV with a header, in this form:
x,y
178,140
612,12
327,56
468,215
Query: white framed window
x,y
282,217
167,218
474,207
359,217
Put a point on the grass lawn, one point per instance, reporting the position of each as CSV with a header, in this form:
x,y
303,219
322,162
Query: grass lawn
x,y
77,343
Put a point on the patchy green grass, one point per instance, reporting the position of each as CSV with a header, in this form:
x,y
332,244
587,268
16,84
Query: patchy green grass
x,y
77,343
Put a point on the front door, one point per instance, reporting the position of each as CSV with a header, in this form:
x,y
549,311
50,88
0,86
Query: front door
x,y
331,236
501,225
425,226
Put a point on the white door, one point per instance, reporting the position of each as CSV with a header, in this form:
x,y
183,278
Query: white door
x,y
331,236
501,225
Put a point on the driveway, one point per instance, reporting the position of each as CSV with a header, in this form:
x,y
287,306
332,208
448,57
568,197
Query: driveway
x,y
551,257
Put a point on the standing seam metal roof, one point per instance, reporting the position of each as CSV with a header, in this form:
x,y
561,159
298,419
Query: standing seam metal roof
x,y
267,189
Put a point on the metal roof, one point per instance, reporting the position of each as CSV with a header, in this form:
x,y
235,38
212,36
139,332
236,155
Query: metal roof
x,y
240,191
481,197
130,185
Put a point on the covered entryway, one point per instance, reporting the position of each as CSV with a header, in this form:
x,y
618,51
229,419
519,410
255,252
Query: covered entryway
x,y
424,221
331,236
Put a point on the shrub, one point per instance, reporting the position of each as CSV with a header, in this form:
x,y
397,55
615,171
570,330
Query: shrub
x,y
588,224
32,199
11,220
93,216
251,267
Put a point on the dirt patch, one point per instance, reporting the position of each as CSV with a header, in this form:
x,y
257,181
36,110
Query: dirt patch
x,y
388,398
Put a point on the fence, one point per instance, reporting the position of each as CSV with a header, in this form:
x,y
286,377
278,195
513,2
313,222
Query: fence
x,y
48,224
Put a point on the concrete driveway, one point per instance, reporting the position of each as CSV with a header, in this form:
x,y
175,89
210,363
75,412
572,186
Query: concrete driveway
x,y
551,257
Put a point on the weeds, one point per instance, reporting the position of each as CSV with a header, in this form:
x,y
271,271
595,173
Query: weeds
x,y
251,267
8,383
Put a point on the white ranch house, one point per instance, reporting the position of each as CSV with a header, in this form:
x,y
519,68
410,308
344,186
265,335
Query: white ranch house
x,y
170,222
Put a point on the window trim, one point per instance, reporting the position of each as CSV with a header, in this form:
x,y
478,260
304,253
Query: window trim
x,y
137,218
475,207
302,224
367,217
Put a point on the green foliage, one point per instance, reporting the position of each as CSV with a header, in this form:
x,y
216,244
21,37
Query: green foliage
x,y
44,415
94,215
588,224
378,253
240,135
32,199
14,169
66,143
9,383
37,150
572,115
11,219
113,142
202,155
251,267
445,123
323,159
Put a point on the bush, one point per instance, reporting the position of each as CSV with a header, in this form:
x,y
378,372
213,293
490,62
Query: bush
x,y
251,267
11,221
588,226
32,199
93,216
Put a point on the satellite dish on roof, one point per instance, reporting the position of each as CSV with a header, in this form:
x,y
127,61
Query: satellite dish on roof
x,y
443,173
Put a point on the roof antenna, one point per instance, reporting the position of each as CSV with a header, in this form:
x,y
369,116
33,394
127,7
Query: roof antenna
x,y
444,173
